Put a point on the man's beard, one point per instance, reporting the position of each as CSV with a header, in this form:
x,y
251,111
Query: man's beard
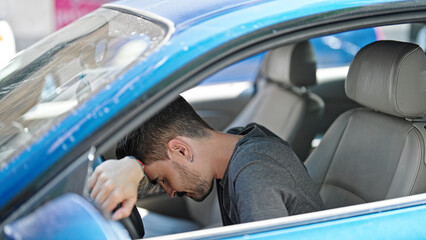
x,y
198,188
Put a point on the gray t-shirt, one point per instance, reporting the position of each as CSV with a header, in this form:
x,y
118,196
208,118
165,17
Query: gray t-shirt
x,y
264,179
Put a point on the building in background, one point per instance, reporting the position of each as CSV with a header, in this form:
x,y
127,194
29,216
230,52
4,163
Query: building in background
x,y
31,20
7,43
67,11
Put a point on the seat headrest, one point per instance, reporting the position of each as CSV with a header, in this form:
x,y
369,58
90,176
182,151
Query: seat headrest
x,y
389,77
292,65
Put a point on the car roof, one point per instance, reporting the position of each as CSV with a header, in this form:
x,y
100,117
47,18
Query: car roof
x,y
189,12
186,11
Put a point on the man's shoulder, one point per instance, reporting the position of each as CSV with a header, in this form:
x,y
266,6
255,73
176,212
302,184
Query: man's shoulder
x,y
253,130
260,148
256,134
262,145
261,152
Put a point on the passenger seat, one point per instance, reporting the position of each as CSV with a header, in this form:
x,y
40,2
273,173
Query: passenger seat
x,y
282,103
377,152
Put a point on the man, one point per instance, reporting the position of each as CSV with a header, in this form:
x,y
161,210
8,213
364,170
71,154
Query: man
x,y
258,175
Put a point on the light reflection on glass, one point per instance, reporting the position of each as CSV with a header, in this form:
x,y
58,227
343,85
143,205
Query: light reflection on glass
x,y
46,82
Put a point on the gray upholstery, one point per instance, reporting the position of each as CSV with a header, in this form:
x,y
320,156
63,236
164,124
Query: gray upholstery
x,y
280,104
293,65
369,155
399,79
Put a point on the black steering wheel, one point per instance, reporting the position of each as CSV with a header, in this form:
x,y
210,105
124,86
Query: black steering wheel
x,y
134,224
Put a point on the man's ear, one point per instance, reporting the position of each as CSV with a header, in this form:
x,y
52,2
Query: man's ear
x,y
178,148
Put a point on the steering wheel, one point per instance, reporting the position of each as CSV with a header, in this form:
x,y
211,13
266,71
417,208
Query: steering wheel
x,y
134,224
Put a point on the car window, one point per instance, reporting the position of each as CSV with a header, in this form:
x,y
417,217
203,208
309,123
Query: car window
x,y
44,83
245,70
339,49
332,51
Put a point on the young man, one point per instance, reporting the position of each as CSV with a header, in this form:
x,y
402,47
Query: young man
x,y
258,176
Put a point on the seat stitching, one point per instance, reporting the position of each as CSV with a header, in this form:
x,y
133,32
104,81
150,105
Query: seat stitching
x,y
417,173
413,129
397,79
346,189
338,144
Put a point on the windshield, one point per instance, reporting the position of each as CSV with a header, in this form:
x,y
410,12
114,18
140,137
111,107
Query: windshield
x,y
44,83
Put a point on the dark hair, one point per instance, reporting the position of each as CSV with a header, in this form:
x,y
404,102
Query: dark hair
x,y
148,142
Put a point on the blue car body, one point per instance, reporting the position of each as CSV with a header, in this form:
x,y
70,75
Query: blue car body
x,y
201,33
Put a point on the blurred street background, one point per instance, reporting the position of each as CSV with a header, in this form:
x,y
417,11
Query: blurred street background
x,y
31,20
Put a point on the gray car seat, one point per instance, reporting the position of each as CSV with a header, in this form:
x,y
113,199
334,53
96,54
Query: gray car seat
x,y
376,152
282,103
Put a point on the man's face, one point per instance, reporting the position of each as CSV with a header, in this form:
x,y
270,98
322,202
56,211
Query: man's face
x,y
178,180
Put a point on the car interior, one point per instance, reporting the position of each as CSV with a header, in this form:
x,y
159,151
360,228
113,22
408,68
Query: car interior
x,y
283,78
353,112
360,129
379,139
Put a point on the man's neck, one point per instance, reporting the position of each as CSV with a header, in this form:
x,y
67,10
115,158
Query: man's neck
x,y
222,147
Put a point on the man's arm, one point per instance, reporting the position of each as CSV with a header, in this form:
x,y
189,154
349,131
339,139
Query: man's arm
x,y
122,181
146,188
258,192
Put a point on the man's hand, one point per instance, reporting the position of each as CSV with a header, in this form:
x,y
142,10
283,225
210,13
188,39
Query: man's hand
x,y
115,182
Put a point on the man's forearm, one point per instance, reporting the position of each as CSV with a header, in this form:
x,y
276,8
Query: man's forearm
x,y
146,188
